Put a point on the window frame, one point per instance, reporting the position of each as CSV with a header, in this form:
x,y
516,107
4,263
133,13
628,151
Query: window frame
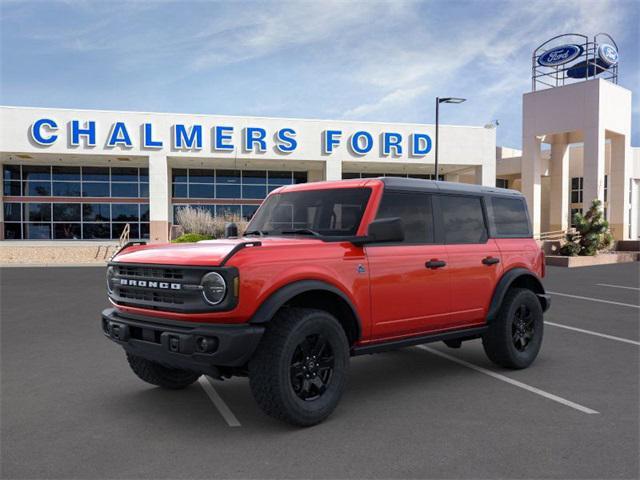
x,y
493,230
438,239
483,208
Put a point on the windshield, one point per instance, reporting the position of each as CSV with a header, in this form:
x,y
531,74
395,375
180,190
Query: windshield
x,y
329,212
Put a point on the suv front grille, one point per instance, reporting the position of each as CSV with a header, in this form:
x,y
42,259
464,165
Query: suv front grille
x,y
149,272
168,288
153,287
130,295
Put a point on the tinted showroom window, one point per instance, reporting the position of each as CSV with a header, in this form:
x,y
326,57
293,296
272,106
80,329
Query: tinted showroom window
x,y
414,209
463,219
510,217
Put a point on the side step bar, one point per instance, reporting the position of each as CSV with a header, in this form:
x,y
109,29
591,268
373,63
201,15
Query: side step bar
x,y
462,334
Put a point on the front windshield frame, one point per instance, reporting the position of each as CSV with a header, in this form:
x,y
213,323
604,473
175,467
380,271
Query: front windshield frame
x,y
327,220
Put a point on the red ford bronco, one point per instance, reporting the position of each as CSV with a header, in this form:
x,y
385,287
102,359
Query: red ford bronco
x,y
326,271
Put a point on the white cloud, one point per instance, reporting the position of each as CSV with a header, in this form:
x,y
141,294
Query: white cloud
x,y
488,55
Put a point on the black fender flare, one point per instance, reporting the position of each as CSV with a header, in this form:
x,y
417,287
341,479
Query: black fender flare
x,y
276,300
507,279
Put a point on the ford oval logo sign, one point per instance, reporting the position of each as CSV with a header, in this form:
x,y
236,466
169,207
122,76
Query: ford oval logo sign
x,y
608,54
560,55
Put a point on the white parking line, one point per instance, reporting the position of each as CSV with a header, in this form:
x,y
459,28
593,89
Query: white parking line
x,y
511,381
217,400
595,300
617,286
610,337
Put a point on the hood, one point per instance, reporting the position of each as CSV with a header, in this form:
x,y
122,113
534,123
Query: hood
x,y
205,253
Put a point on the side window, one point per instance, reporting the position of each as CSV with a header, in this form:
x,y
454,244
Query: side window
x,y
415,211
510,217
463,219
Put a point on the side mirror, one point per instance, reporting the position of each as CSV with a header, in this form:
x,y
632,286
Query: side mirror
x,y
383,230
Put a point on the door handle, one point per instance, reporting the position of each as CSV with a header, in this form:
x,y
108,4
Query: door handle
x,y
490,260
435,264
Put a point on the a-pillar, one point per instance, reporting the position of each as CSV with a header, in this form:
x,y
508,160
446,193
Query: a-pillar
x,y
593,167
531,178
159,198
559,204
332,169
618,188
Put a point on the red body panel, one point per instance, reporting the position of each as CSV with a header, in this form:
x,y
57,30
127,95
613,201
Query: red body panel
x,y
395,295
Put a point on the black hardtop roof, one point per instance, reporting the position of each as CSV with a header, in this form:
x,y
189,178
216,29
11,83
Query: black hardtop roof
x,y
416,184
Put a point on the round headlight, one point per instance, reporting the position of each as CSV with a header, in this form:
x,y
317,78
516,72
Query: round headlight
x,y
111,273
214,288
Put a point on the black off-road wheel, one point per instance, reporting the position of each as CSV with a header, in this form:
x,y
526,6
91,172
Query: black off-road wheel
x,y
299,370
160,375
514,337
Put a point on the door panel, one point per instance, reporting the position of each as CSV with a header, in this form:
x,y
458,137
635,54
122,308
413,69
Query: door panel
x,y
472,281
474,259
408,298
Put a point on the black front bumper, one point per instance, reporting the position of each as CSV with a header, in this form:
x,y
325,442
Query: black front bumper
x,y
198,347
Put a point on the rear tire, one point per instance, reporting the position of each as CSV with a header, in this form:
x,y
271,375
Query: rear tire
x,y
157,374
299,370
515,336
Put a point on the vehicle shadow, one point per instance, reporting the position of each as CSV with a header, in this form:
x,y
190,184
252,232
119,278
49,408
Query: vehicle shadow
x,y
390,378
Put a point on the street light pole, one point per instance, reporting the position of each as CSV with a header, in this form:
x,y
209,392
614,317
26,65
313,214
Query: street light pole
x,y
438,102
435,177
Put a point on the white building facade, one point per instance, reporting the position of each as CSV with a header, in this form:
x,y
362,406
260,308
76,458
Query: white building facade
x,y
85,174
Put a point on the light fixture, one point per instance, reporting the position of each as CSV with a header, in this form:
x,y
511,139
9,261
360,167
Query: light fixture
x,y
451,100
440,100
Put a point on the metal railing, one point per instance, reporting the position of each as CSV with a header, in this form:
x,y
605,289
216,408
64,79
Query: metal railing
x,y
554,235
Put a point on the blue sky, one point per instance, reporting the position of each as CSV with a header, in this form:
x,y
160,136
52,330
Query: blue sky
x,y
367,60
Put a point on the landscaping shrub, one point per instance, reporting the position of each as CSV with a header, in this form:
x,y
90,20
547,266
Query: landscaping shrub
x,y
199,221
591,235
191,238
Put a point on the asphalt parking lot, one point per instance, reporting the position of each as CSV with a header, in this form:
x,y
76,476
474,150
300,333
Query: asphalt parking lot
x,y
71,408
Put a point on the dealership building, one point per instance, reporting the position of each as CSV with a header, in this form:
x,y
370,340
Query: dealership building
x,y
86,174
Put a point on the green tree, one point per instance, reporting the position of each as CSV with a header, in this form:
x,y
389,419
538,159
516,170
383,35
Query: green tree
x,y
592,233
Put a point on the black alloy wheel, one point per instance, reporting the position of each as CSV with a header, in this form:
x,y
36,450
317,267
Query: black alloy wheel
x,y
312,367
523,328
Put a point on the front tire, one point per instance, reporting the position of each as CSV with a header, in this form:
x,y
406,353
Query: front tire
x,y
515,336
157,374
299,371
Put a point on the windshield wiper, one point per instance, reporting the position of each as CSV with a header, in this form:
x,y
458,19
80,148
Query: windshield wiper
x,y
260,233
302,231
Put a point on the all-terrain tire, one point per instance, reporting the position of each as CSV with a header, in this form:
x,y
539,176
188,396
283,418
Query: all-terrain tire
x,y
275,370
157,374
504,342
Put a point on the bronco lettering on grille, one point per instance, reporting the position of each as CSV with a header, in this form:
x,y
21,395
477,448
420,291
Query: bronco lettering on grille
x,y
150,284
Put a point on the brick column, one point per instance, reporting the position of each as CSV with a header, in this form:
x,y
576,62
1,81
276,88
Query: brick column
x,y
559,204
593,166
618,191
159,197
332,169
531,181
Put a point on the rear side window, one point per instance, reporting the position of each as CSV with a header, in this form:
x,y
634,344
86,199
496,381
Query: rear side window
x,y
510,217
415,211
463,219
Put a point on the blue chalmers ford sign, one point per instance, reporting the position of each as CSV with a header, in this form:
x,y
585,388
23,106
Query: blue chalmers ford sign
x,y
45,132
560,55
